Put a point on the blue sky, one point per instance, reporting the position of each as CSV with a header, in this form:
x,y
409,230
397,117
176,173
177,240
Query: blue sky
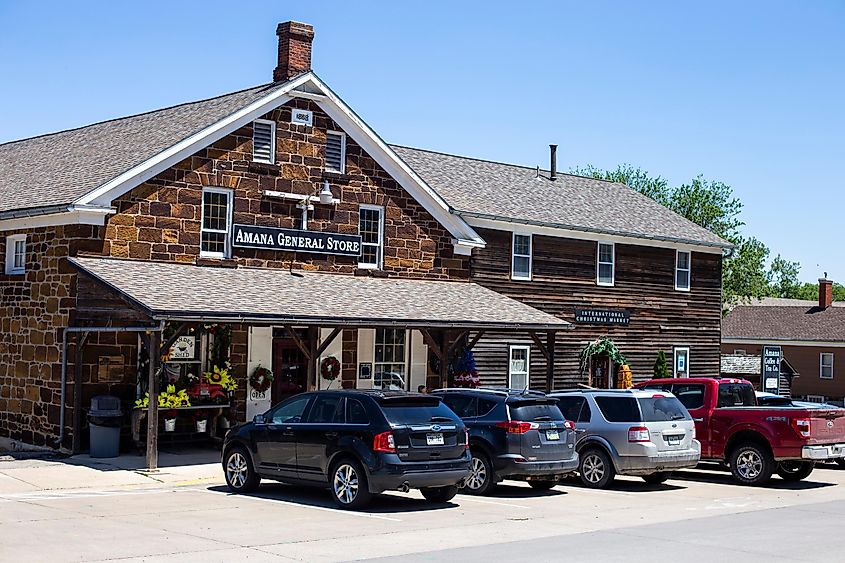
x,y
750,93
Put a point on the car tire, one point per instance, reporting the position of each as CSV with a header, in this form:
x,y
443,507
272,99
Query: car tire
x,y
596,469
439,494
481,477
348,485
657,478
542,485
241,476
840,461
752,464
795,470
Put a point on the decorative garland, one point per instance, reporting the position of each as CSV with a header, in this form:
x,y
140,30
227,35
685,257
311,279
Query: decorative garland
x,y
603,345
261,379
330,368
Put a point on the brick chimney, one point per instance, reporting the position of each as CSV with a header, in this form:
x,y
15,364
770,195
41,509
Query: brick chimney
x,y
294,50
825,292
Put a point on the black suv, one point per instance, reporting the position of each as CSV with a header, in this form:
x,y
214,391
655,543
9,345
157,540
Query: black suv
x,y
513,434
358,443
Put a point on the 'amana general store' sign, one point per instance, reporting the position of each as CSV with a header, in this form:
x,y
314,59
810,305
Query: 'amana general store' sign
x,y
291,240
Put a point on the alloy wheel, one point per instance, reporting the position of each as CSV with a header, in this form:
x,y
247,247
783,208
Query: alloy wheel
x,y
593,468
236,470
345,484
477,474
749,464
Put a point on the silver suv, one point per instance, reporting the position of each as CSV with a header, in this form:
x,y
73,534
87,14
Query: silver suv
x,y
629,432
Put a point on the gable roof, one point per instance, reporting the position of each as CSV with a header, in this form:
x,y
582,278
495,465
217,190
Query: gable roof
x,y
492,190
785,320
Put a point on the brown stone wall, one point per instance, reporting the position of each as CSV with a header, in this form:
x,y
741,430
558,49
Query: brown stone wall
x,y
160,220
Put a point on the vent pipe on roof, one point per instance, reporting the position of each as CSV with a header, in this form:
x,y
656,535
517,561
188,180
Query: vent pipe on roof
x,y
553,163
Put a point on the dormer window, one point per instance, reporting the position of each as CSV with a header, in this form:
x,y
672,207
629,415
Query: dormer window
x,y
263,141
336,152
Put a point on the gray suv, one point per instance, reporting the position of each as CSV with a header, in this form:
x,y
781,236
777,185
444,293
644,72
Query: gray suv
x,y
629,432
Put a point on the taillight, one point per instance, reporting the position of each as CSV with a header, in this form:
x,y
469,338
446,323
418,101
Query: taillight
x,y
517,427
638,434
569,425
466,439
802,426
384,443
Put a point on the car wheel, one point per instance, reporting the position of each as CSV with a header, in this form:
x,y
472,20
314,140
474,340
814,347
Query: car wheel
x,y
596,469
542,485
751,464
795,470
657,478
440,494
481,478
349,485
240,474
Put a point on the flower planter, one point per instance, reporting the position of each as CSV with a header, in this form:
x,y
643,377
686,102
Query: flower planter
x,y
202,426
224,423
169,424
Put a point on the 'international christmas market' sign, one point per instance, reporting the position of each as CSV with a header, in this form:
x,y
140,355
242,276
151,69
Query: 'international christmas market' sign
x,y
602,317
292,240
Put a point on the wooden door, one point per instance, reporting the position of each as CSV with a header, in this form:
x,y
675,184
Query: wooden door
x,y
290,370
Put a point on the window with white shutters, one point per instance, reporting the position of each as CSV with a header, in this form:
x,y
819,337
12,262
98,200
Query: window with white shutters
x,y
336,152
263,141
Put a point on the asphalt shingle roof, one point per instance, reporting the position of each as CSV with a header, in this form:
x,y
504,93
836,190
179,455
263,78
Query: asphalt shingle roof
x,y
786,319
58,168
186,291
484,188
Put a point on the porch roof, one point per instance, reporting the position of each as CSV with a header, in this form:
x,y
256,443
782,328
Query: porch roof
x,y
186,292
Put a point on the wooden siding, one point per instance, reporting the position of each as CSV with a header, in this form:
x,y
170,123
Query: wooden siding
x,y
564,278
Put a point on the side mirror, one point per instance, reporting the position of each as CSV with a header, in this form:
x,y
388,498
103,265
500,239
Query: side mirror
x,y
259,419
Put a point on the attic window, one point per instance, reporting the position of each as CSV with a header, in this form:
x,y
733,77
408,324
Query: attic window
x,y
336,152
263,141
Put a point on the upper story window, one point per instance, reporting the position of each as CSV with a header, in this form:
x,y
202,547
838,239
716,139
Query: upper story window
x,y
606,263
826,365
371,229
15,254
336,152
682,270
263,141
216,222
521,257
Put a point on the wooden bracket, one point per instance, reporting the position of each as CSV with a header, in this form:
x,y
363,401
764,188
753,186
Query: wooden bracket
x,y
327,342
300,344
435,347
540,345
475,340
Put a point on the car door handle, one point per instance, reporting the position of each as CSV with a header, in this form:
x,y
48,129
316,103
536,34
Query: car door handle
x,y
332,434
698,419
580,430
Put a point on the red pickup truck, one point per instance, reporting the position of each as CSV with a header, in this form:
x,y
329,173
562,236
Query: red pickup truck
x,y
756,441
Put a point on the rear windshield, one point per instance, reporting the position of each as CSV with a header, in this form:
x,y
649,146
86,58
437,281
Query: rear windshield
x,y
530,412
417,411
736,395
663,409
619,409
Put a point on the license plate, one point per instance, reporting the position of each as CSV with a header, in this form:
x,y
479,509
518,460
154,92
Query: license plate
x,y
434,439
552,435
673,440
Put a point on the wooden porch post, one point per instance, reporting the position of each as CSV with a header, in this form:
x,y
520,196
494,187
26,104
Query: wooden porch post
x,y
76,444
550,361
313,333
154,341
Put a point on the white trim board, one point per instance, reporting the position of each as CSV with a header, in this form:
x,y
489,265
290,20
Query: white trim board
x,y
73,216
523,227
784,342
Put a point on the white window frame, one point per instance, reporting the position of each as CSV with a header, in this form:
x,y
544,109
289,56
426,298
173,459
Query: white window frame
x,y
11,252
675,350
688,270
530,256
380,264
407,352
227,252
822,365
342,152
272,125
612,263
527,372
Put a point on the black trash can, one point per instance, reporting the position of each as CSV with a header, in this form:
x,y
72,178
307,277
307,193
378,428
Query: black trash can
x,y
104,419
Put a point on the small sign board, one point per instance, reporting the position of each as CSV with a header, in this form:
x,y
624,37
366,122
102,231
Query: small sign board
x,y
365,370
184,348
294,240
603,316
771,368
302,117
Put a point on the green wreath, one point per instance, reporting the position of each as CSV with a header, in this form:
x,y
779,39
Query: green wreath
x,y
261,379
602,345
330,368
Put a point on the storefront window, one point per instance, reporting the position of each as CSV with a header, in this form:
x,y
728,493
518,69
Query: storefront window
x,y
390,358
216,211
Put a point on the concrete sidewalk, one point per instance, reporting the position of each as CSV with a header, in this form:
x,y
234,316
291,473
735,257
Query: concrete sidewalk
x,y
22,473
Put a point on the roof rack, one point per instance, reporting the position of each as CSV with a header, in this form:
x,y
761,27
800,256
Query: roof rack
x,y
593,390
503,391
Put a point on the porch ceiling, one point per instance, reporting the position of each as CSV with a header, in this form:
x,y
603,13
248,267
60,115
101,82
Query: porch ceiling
x,y
185,292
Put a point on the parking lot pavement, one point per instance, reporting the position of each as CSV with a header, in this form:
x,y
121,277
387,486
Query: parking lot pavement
x,y
192,521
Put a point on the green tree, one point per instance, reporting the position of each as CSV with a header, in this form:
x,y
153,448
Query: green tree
x,y
783,279
661,369
657,188
709,204
744,274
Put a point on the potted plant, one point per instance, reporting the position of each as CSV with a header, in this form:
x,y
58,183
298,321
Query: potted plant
x,y
170,420
201,421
